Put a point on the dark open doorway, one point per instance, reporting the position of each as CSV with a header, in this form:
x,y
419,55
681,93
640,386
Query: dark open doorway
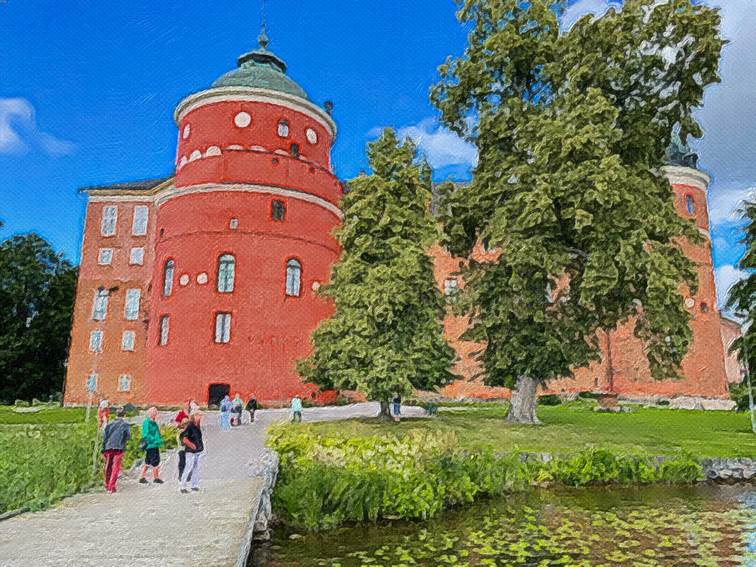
x,y
216,392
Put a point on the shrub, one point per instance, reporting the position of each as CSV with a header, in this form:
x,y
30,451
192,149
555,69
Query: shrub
x,y
739,395
549,400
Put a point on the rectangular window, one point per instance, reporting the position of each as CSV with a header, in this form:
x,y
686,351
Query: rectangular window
x,y
109,218
100,307
450,286
92,382
165,323
222,327
136,257
124,383
131,311
139,226
105,256
278,210
294,150
128,341
95,341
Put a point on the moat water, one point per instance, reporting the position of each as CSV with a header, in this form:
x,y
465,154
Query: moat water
x,y
702,525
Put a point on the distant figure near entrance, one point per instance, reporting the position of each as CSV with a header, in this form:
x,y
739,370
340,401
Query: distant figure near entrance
x,y
296,409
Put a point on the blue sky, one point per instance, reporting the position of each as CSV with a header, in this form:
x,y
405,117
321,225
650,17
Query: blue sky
x,y
87,91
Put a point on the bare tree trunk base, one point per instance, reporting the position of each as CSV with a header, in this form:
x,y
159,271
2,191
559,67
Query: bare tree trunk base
x,y
522,408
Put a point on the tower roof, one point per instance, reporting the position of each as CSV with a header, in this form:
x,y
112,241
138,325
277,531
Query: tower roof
x,y
261,69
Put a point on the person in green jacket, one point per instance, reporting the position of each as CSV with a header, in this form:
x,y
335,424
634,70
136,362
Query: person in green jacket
x,y
151,441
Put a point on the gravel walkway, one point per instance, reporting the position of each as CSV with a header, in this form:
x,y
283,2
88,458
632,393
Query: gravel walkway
x,y
155,525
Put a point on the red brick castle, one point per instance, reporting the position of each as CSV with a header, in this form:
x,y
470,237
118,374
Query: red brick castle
x,y
204,283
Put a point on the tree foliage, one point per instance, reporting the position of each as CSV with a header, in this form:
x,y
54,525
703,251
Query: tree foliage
x,y
742,298
37,289
571,127
386,336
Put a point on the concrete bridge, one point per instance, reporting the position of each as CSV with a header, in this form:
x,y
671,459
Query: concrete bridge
x,y
155,525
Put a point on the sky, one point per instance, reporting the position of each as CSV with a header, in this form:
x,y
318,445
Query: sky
x,y
87,92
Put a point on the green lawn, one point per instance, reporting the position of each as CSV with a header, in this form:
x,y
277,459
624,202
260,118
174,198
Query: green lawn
x,y
571,427
44,414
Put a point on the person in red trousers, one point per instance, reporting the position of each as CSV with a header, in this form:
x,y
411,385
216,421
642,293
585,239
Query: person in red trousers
x,y
117,433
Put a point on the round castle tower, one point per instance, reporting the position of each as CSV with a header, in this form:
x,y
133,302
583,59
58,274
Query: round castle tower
x,y
244,239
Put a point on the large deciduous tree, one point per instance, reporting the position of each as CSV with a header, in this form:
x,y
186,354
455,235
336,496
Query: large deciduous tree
x,y
37,289
571,127
386,336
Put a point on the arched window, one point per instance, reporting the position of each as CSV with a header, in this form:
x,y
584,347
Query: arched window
x,y
293,278
168,272
690,204
226,266
294,150
283,128
278,210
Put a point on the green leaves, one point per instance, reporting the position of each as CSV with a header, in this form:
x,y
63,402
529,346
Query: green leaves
x,y
386,336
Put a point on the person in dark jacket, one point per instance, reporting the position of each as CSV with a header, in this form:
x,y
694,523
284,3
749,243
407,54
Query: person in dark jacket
x,y
114,438
252,407
191,440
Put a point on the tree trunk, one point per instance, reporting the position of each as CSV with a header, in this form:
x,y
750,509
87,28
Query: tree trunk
x,y
523,403
385,411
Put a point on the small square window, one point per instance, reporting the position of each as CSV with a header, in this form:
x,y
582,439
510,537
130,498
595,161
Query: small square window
x,y
233,224
283,128
278,210
294,150
105,257
124,383
95,341
109,218
450,286
128,341
136,256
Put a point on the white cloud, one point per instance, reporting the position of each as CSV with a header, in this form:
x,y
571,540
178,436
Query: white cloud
x,y
441,147
582,7
725,277
19,130
725,204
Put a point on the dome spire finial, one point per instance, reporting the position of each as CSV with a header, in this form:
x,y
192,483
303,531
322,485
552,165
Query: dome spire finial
x,y
263,39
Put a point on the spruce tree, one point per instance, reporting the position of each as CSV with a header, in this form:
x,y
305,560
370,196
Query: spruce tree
x,y
571,127
386,335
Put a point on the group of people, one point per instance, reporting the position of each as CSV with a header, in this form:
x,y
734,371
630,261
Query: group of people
x,y
231,411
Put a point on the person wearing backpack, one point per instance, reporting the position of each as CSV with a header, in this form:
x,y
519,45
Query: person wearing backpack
x,y
114,438
191,440
151,443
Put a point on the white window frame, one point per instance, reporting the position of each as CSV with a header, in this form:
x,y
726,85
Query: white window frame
x,y
91,382
95,341
124,379
164,330
100,305
222,328
132,303
109,221
451,286
283,128
169,273
293,278
140,221
104,256
226,273
128,341
136,256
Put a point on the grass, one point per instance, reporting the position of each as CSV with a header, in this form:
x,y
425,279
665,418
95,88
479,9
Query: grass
x,y
45,414
571,427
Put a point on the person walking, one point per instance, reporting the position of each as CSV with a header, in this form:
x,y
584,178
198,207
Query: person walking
x,y
252,408
296,409
117,433
225,412
151,443
103,413
181,448
397,401
237,406
191,438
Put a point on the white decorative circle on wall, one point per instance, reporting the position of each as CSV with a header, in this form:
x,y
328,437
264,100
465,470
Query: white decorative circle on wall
x,y
315,286
242,119
202,278
184,279
690,302
312,136
186,132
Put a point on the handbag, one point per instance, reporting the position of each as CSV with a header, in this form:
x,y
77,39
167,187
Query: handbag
x,y
143,445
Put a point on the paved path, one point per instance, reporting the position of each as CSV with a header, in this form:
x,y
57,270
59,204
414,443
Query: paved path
x,y
155,525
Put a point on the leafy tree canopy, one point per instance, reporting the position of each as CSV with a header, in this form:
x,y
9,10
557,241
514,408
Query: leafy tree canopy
x,y
742,298
37,289
386,336
571,127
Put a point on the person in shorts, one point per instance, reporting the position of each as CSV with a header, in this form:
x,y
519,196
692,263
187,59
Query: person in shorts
x,y
151,443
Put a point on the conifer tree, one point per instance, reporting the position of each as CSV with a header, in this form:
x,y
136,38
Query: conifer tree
x,y
386,335
571,127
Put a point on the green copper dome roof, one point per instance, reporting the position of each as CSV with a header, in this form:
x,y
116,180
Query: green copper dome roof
x,y
261,69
